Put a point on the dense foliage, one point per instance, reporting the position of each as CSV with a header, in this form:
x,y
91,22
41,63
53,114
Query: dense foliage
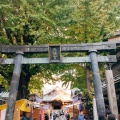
x,y
36,22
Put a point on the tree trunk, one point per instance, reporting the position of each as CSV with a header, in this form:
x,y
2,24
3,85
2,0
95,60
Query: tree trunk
x,y
88,78
23,91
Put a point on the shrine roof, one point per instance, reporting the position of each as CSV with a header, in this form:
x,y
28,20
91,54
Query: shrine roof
x,y
55,88
56,97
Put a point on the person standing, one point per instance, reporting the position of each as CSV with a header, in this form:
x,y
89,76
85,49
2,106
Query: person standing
x,y
81,106
81,116
54,116
46,116
67,116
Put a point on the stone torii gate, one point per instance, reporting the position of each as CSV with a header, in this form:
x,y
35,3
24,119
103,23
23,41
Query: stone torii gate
x,y
54,52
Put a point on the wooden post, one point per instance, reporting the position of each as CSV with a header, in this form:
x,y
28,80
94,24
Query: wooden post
x,y
95,114
111,92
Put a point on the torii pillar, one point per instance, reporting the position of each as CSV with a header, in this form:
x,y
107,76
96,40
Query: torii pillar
x,y
97,83
14,87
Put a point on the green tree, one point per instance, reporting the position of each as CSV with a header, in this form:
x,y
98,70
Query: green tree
x,y
36,22
94,20
28,22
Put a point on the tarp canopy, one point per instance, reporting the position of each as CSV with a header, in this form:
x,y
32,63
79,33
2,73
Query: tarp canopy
x,y
23,104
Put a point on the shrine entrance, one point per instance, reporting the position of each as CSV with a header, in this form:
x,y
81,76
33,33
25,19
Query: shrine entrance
x,y
57,104
54,53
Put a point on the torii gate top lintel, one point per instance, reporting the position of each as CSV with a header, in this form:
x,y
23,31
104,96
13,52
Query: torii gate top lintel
x,y
84,47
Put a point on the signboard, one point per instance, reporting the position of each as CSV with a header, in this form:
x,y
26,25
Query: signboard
x,y
54,53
